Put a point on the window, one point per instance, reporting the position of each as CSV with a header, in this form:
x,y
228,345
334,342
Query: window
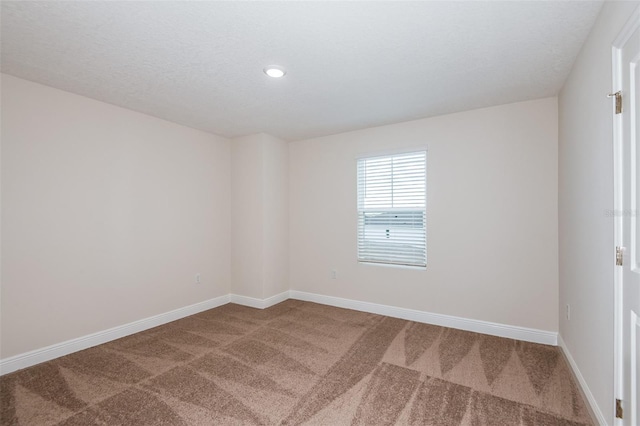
x,y
392,209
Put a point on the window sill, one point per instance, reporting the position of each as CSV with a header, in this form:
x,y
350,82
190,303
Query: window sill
x,y
392,265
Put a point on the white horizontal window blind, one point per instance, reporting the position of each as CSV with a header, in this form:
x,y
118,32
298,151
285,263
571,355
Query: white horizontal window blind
x,y
392,199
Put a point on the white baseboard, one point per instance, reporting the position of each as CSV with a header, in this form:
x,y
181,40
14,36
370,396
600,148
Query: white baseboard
x,y
595,410
259,303
37,356
494,329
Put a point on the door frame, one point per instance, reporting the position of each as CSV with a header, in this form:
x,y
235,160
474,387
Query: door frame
x,y
616,60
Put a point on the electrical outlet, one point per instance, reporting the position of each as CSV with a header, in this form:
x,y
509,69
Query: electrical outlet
x,y
197,278
568,312
334,274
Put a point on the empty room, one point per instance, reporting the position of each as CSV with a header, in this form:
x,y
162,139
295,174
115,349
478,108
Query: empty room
x,y
322,213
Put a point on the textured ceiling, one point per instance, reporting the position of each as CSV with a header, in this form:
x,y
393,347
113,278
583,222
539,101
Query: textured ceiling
x,y
349,64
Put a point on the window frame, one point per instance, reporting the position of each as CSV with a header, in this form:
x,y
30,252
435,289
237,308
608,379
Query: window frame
x,y
390,154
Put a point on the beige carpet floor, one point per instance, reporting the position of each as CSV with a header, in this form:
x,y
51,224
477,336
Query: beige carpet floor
x,y
298,363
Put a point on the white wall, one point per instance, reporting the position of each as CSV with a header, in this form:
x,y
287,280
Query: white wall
x,y
491,212
260,216
247,258
276,216
586,192
107,215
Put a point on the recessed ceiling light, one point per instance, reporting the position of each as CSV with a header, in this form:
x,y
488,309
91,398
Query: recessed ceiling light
x,y
275,71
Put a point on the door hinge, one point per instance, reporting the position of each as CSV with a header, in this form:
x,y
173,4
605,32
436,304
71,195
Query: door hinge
x,y
618,96
619,412
619,256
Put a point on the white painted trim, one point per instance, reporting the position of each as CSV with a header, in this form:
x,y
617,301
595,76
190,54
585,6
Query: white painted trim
x,y
37,356
254,302
593,404
485,327
618,362
616,70
633,397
